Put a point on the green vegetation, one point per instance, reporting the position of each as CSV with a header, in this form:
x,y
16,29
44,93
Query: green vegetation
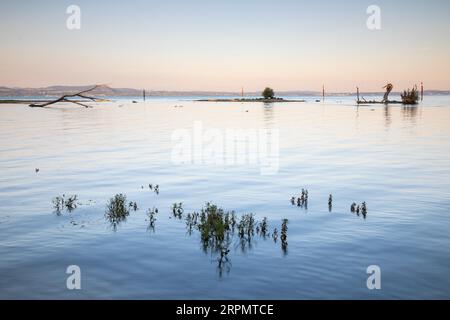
x,y
117,209
268,93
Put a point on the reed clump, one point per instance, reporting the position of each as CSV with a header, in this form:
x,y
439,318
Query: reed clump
x,y
284,229
117,209
359,209
151,213
177,210
61,203
410,96
302,200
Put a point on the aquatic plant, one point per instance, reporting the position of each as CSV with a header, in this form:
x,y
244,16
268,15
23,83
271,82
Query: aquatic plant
x,y
177,210
191,221
133,205
155,189
302,200
354,208
364,209
230,220
410,96
283,237
58,204
117,209
263,227
61,203
246,225
219,228
151,218
212,225
70,203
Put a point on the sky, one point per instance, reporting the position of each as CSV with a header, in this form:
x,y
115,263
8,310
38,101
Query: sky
x,y
225,45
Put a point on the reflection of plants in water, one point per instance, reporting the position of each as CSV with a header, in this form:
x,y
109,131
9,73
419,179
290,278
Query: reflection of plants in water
x,y
216,229
213,228
262,228
191,221
275,235
246,231
219,229
117,210
61,203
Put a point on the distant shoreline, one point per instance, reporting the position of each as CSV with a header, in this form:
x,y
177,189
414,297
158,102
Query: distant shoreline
x,y
18,101
249,100
105,91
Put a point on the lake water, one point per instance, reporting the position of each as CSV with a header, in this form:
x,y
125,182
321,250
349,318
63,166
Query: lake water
x,y
396,159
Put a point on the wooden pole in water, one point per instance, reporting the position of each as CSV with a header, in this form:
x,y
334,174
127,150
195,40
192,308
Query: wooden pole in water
x,y
143,94
242,92
323,93
421,91
357,93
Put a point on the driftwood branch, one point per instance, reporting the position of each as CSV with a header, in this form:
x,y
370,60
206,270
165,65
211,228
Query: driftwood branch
x,y
65,98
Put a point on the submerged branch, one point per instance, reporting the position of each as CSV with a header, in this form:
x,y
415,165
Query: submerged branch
x,y
65,97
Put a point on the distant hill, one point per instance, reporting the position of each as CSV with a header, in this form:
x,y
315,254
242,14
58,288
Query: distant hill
x,y
106,91
61,90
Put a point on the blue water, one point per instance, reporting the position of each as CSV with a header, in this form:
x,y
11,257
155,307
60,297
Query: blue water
x,y
396,159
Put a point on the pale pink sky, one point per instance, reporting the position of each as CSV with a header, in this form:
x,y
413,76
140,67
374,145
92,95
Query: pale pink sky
x,y
171,45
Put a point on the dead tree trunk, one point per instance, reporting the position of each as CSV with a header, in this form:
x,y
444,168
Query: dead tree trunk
x,y
65,98
388,88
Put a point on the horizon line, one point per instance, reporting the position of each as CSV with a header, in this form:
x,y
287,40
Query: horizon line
x,y
204,91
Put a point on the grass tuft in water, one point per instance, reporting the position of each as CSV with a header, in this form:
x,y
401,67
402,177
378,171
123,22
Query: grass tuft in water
x,y
151,218
61,203
284,230
177,210
117,209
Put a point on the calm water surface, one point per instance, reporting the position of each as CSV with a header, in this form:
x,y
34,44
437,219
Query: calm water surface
x,y
396,159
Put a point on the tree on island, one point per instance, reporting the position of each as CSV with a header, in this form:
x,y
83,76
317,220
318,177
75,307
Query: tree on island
x,y
268,93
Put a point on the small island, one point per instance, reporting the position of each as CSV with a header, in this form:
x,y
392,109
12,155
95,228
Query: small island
x,y
268,96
